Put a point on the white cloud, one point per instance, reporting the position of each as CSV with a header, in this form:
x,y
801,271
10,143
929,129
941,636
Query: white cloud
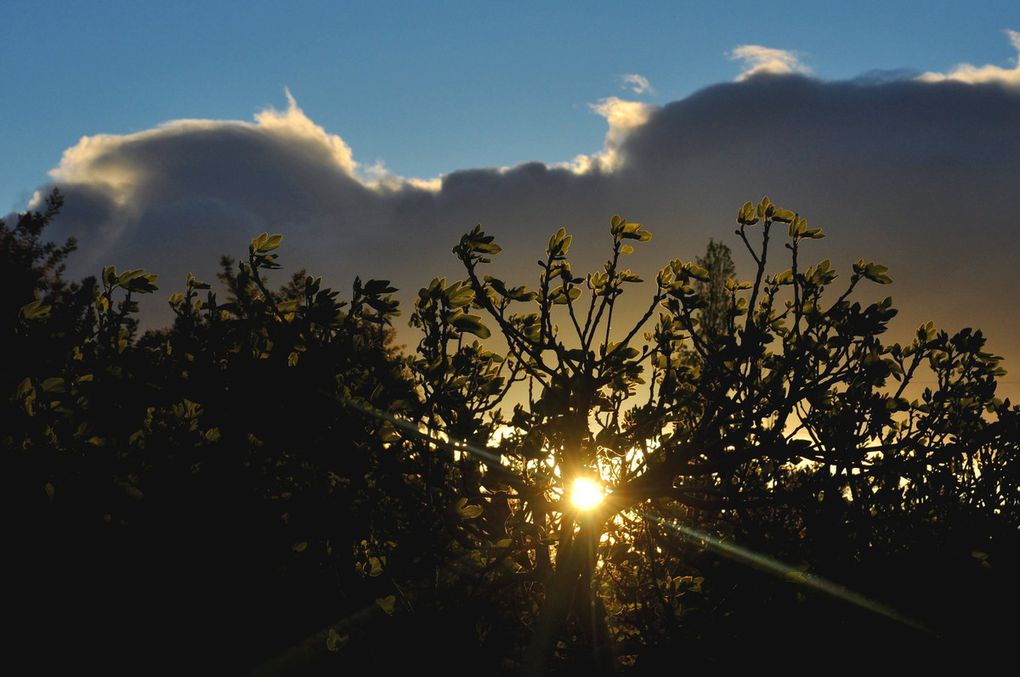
x,y
623,117
636,83
294,122
988,73
760,60
94,159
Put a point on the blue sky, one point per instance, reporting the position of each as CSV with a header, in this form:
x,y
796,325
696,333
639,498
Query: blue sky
x,y
426,88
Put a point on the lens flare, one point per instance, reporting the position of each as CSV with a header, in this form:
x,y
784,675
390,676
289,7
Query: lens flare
x,y
585,493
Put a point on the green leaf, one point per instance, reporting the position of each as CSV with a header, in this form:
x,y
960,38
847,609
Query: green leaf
x,y
36,310
783,215
272,243
193,283
467,511
387,603
797,228
559,297
471,324
138,281
559,243
132,491
458,295
265,243
698,272
335,641
629,276
53,384
633,231
747,216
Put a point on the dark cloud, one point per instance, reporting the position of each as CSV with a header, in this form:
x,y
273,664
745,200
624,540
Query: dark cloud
x,y
921,176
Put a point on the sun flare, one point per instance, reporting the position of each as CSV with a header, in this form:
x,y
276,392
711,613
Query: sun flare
x,y
586,493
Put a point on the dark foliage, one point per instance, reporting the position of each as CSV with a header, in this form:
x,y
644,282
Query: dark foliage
x,y
271,482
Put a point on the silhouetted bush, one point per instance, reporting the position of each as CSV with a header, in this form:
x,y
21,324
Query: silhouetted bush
x,y
270,468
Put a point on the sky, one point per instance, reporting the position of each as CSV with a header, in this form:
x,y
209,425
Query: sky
x,y
373,134
426,87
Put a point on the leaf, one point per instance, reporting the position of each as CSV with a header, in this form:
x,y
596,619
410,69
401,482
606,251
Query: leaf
x,y
559,243
335,641
138,281
36,310
797,227
468,511
492,386
272,243
629,276
265,243
193,283
387,604
378,287
872,271
747,216
785,277
53,384
471,324
559,297
132,491
783,215
633,231
458,295
698,272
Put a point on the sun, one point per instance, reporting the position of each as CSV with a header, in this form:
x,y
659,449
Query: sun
x,y
586,493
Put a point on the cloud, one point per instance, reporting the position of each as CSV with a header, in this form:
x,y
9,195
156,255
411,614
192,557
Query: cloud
x,y
281,170
987,74
638,84
759,60
623,117
918,175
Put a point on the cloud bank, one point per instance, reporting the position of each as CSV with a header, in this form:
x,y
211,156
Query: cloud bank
x,y
988,73
920,175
